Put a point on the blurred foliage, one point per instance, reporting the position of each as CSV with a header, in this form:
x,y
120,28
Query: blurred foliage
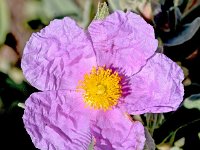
x,y
176,146
4,21
177,27
11,92
169,22
153,121
46,10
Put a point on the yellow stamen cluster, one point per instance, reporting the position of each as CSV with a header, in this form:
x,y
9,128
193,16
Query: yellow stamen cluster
x,y
102,88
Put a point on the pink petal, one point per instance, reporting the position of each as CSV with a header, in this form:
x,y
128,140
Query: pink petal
x,y
57,56
156,88
114,130
123,40
57,120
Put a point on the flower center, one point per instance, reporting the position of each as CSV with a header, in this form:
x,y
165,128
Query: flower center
x,y
102,88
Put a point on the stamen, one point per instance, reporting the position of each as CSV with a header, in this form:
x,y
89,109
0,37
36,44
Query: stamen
x,y
102,88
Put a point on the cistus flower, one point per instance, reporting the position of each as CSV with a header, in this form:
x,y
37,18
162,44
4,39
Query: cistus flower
x,y
91,79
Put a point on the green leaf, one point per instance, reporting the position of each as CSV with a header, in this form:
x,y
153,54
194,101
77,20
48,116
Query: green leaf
x,y
1,104
102,11
154,121
192,102
172,135
91,146
4,21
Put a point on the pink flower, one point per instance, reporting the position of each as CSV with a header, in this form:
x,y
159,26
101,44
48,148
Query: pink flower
x,y
90,80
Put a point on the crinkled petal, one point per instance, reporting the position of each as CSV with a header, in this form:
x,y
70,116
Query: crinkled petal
x,y
123,40
57,120
156,88
57,56
113,130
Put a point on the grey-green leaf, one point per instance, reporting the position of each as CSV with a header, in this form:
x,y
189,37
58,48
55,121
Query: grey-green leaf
x,y
187,32
126,4
57,8
4,21
47,10
180,142
192,102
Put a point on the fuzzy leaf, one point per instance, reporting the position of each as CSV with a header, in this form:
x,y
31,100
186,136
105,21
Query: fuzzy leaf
x,y
102,11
